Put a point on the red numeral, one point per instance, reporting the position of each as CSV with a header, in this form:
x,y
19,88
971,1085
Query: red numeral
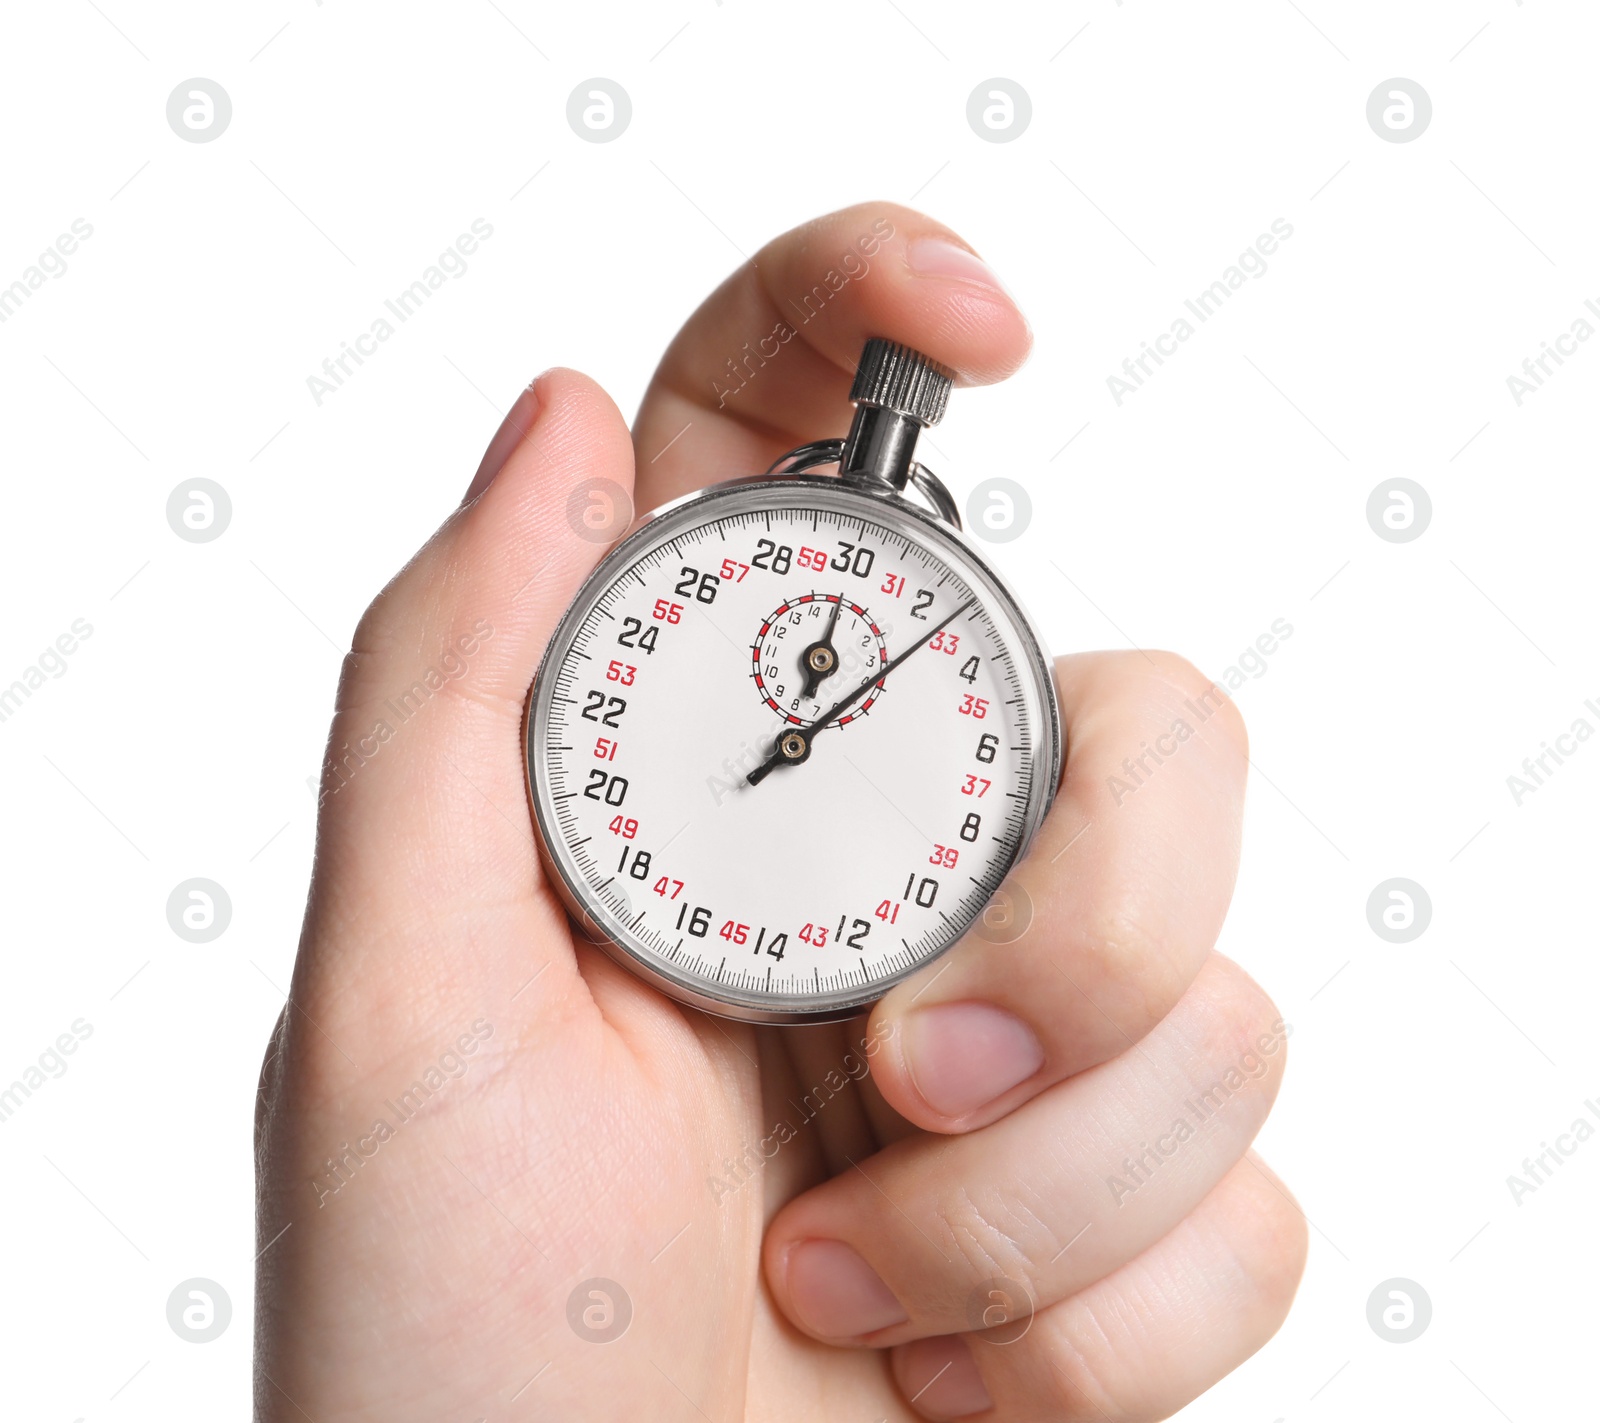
x,y
812,558
887,911
894,585
814,934
666,612
625,828
605,750
943,641
624,673
975,785
734,933
944,855
661,887
974,706
728,567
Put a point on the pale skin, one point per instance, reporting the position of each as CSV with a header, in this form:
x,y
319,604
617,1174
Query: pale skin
x,y
1013,1115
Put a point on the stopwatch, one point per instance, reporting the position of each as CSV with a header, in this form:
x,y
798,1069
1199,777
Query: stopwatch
x,y
794,730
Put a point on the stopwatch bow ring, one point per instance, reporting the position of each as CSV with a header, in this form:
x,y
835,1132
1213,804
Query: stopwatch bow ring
x,y
897,393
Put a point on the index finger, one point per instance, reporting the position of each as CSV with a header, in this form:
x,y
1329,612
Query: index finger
x,y
766,362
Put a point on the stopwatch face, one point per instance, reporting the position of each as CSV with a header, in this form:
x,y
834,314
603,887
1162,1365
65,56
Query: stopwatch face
x,y
717,808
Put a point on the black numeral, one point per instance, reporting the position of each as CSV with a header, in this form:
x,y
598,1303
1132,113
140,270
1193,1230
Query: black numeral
x,y
986,745
927,890
615,707
641,862
969,670
775,948
851,559
924,601
702,586
970,826
699,919
630,635
775,558
612,790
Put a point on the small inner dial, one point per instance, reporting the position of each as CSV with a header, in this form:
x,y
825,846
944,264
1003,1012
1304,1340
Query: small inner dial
x,y
813,650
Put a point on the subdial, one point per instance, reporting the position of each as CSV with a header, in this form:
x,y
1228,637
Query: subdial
x,y
792,681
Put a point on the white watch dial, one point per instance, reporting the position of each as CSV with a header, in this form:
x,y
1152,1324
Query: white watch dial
x,y
789,881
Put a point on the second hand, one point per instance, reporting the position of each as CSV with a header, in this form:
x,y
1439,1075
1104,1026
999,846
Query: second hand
x,y
795,746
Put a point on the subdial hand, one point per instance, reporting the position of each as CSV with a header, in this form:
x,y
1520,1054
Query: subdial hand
x,y
794,746
820,660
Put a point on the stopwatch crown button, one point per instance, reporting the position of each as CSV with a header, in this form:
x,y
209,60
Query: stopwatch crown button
x,y
894,377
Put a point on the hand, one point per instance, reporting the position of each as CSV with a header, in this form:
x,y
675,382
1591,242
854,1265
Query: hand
x,y
466,1112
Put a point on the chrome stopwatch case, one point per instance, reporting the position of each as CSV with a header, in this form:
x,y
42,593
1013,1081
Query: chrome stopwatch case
x,y
794,730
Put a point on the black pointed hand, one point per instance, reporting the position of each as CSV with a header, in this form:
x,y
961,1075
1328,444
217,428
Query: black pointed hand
x,y
820,660
794,746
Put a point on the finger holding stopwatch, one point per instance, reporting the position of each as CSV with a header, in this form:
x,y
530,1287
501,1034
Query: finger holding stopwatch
x,y
1058,1195
766,361
1096,935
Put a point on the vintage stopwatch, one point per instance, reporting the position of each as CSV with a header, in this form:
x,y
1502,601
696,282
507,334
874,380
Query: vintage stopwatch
x,y
794,730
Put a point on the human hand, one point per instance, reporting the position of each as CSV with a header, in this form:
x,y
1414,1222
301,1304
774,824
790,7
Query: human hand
x,y
797,1237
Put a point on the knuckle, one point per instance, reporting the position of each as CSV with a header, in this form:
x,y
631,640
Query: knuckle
x,y
1240,1032
1187,684
1084,1375
1272,1246
994,1236
1128,956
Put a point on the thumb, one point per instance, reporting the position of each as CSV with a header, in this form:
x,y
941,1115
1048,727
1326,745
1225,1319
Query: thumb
x,y
423,810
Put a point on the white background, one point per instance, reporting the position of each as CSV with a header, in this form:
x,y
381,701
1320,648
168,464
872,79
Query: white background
x,y
1229,492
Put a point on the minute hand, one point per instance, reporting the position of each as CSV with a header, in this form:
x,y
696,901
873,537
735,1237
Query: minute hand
x,y
778,758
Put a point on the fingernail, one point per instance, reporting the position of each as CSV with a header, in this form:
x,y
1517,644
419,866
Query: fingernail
x,y
961,1056
519,420
836,1293
939,257
955,1388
